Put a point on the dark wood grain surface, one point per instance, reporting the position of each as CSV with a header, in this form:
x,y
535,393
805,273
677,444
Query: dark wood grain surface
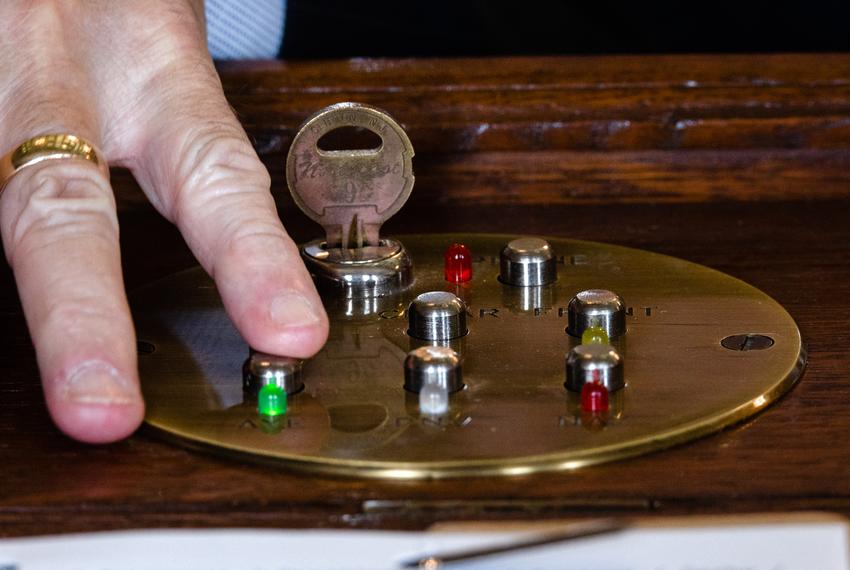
x,y
739,163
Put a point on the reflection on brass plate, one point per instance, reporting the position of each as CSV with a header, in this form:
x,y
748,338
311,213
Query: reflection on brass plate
x,y
514,415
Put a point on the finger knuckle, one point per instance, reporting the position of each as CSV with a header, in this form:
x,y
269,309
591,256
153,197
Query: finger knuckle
x,y
257,242
57,203
80,315
221,170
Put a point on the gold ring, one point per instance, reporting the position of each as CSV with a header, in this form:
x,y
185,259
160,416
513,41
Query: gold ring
x,y
48,147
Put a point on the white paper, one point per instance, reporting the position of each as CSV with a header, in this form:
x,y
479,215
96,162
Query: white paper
x,y
799,546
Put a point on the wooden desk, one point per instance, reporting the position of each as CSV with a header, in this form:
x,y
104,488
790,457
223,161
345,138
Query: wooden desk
x,y
739,163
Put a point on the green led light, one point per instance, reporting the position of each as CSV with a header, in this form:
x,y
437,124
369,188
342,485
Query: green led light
x,y
271,400
594,335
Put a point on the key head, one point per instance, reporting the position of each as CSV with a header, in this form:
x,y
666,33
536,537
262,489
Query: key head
x,y
351,193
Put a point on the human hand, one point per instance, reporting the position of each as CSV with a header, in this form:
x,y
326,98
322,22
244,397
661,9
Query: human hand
x,y
135,79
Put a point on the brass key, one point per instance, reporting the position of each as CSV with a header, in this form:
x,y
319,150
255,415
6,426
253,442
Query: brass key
x,y
351,193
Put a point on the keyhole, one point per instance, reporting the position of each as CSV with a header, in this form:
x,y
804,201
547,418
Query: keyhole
x,y
349,138
747,342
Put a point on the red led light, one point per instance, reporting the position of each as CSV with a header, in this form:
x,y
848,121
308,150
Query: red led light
x,y
458,263
594,398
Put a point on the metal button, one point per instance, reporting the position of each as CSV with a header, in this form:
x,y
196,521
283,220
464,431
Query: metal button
x,y
597,308
261,369
432,370
437,315
527,262
594,363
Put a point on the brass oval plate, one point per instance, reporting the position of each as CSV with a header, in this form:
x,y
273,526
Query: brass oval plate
x,y
514,417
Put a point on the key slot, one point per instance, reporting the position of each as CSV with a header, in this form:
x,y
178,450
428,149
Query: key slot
x,y
350,139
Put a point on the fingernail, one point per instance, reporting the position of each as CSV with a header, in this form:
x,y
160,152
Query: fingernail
x,y
98,383
293,310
